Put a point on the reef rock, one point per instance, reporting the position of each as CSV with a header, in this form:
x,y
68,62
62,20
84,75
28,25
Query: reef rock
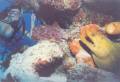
x,y
69,62
66,4
84,73
58,4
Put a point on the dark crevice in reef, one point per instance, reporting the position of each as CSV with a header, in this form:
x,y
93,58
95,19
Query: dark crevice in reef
x,y
49,69
49,15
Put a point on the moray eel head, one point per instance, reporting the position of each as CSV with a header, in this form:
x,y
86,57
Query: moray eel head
x,y
100,46
105,52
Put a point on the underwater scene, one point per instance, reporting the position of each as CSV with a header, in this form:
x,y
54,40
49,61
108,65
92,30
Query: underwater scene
x,y
59,40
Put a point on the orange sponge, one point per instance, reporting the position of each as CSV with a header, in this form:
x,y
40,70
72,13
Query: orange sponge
x,y
92,27
75,46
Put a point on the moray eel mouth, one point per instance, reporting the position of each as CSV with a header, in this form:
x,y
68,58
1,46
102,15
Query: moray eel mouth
x,y
100,45
92,37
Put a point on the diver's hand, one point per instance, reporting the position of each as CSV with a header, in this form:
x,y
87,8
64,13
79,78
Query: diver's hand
x,y
33,17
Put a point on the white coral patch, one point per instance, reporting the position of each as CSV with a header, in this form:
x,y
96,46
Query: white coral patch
x,y
22,65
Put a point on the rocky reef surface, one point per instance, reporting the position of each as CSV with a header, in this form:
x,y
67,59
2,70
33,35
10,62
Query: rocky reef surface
x,y
24,67
83,73
51,59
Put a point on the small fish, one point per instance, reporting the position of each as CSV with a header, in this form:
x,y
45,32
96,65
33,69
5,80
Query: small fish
x,y
106,54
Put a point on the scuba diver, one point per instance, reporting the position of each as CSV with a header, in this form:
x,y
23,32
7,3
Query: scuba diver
x,y
12,24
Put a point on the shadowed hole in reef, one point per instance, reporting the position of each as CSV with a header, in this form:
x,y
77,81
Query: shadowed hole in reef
x,y
49,69
49,14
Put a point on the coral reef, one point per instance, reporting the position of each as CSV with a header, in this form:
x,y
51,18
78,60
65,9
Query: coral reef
x,y
46,32
20,50
87,16
84,73
69,62
110,7
73,17
51,33
47,14
49,11
73,32
65,11
63,4
22,66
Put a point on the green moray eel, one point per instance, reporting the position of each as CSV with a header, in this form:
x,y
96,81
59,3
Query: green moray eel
x,y
106,54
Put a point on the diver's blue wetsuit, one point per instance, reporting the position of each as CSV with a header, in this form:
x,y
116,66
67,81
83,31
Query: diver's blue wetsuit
x,y
14,45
